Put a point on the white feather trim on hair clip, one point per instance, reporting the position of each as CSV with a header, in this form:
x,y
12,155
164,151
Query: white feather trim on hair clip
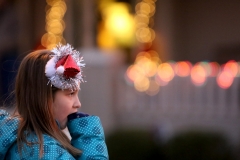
x,y
50,67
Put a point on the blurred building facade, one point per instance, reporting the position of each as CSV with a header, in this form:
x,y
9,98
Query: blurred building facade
x,y
190,30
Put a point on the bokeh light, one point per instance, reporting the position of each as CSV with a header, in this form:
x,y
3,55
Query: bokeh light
x,y
55,25
159,81
215,68
144,12
165,72
117,27
225,79
141,84
183,68
231,67
149,79
145,35
134,72
142,73
198,74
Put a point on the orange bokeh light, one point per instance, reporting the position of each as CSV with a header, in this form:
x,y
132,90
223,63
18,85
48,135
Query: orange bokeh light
x,y
165,72
225,79
198,75
232,67
214,69
183,68
133,72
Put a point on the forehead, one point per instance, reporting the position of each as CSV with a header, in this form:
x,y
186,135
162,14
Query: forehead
x,y
70,90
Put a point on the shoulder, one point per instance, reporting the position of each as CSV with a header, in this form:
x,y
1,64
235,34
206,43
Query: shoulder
x,y
6,118
8,130
3,114
52,149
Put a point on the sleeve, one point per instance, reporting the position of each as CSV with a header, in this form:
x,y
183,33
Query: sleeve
x,y
52,151
88,135
55,151
8,132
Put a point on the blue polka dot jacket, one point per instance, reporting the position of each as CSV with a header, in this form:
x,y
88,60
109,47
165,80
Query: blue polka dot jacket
x,y
86,132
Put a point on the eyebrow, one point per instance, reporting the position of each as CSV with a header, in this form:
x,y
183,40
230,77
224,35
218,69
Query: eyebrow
x,y
70,91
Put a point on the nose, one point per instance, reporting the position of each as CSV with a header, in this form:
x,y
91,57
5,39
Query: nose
x,y
77,103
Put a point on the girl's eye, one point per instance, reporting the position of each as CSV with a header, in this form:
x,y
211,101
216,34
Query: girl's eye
x,y
71,94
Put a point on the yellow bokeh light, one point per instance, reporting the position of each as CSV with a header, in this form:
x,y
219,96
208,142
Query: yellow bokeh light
x,y
143,54
119,23
55,23
145,35
122,25
44,39
148,62
141,59
141,84
143,72
134,72
55,30
141,20
150,68
55,26
51,46
48,39
52,2
54,15
165,72
105,39
57,10
143,8
61,4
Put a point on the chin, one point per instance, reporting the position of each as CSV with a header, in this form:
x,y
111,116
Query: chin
x,y
63,125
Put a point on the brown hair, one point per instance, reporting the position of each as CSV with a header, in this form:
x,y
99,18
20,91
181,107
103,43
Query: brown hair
x,y
34,99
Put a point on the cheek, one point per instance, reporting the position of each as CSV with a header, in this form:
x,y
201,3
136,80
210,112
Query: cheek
x,y
61,111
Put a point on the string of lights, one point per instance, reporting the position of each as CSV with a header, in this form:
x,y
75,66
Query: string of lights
x,y
55,25
165,72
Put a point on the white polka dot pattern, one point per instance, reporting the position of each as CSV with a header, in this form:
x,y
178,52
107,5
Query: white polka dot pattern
x,y
87,135
8,132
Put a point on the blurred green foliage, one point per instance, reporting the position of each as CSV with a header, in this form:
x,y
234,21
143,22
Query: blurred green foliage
x,y
192,145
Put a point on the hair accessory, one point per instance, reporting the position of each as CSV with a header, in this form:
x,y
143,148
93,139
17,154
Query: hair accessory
x,y
64,68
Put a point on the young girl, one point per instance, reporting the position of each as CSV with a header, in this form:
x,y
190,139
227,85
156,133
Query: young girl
x,y
46,91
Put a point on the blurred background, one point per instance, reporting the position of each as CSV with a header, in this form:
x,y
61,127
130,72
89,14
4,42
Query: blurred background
x,y
163,75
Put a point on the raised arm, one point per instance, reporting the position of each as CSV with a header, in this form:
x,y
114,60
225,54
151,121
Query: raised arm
x,y
88,135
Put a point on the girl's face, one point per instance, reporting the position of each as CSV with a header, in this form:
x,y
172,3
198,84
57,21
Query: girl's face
x,y
65,102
